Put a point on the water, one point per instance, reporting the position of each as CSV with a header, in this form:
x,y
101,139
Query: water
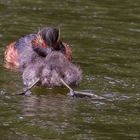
x,y
104,36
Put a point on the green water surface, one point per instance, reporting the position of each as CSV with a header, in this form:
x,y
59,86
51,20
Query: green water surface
x,y
105,39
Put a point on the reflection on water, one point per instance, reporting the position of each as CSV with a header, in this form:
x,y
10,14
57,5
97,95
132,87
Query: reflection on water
x,y
61,117
104,36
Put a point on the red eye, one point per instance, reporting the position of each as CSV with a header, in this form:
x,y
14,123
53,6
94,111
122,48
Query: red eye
x,y
44,45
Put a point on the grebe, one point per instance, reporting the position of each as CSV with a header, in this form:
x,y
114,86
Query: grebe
x,y
50,70
44,56
43,43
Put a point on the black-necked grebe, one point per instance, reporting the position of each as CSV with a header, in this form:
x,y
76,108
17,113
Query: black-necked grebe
x,y
43,42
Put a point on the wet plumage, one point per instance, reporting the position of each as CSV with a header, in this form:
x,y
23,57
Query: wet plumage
x,y
44,56
51,69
